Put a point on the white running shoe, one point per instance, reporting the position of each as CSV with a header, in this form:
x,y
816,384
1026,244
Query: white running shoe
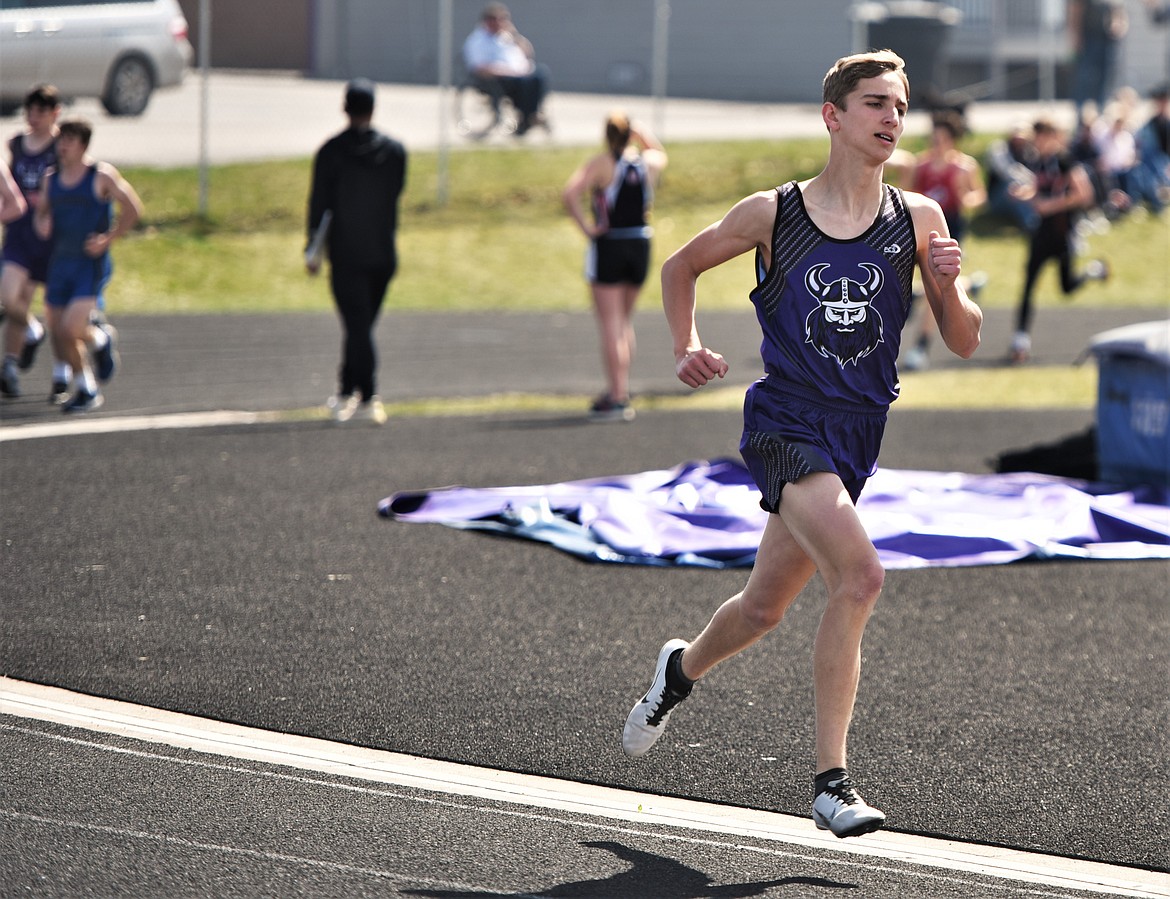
x,y
839,809
1021,348
647,719
371,410
1097,270
341,408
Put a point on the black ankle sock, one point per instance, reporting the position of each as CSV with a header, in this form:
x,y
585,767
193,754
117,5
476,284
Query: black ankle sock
x,y
676,681
821,781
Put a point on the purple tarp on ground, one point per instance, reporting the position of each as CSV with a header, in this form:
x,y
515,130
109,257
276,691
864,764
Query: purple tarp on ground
x,y
707,514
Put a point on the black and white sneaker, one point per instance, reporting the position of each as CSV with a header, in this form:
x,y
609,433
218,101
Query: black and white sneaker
x,y
605,408
105,357
59,392
28,350
83,401
839,809
647,720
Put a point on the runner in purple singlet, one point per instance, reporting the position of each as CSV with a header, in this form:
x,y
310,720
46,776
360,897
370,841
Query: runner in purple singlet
x,y
25,264
835,256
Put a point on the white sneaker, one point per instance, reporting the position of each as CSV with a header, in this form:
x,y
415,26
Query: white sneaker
x,y
342,408
1021,348
840,810
372,411
647,720
1097,270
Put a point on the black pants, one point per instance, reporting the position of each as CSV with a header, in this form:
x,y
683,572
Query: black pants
x,y
527,93
1047,243
358,292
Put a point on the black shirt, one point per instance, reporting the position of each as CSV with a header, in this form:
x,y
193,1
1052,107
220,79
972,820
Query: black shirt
x,y
359,175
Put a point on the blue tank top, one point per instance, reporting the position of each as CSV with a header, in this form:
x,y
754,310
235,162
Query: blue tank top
x,y
832,311
77,213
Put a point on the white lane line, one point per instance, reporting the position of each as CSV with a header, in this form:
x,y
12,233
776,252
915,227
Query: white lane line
x,y
122,423
53,704
169,840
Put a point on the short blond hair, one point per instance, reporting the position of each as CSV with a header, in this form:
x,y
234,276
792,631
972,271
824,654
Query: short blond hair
x,y
842,78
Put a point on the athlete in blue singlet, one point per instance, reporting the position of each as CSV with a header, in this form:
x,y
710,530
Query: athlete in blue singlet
x,y
832,313
619,183
25,256
835,256
75,213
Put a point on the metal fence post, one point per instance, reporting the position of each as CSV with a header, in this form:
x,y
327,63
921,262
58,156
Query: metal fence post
x,y
204,105
446,25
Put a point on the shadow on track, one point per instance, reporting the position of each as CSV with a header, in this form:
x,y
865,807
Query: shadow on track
x,y
651,875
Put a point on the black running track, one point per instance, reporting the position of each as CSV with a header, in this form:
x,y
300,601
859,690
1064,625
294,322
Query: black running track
x,y
241,573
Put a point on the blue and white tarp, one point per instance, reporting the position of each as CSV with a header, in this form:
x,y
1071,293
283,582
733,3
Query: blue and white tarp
x,y
707,514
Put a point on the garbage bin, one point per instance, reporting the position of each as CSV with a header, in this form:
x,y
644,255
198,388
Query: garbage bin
x,y
1133,404
917,31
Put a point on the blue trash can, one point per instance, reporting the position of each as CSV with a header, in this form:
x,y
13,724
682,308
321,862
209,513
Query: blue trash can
x,y
1133,404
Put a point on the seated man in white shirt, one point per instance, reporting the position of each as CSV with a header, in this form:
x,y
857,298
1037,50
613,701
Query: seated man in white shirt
x,y
496,53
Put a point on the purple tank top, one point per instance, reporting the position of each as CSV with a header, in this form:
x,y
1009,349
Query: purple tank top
x,y
29,168
832,311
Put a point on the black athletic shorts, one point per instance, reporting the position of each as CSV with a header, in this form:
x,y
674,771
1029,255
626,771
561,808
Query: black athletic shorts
x,y
618,260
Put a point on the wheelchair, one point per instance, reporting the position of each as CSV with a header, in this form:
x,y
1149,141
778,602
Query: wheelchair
x,y
481,108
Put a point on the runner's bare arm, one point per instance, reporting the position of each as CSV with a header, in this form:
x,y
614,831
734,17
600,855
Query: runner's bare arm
x,y
581,185
747,226
940,262
111,185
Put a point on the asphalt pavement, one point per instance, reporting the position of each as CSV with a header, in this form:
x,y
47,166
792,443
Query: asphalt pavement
x,y
238,573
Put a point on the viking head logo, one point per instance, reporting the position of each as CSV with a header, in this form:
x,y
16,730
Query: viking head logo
x,y
844,325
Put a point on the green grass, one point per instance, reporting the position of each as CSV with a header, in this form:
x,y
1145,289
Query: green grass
x,y
503,242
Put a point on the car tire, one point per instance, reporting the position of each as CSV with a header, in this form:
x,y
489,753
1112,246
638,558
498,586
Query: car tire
x,y
129,87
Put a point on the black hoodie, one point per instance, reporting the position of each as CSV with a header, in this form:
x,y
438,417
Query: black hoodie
x,y
359,175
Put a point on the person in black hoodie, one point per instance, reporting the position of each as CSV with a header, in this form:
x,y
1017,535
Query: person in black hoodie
x,y
358,176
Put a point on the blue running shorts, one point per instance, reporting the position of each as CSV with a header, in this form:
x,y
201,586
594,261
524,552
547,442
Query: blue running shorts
x,y
74,277
790,431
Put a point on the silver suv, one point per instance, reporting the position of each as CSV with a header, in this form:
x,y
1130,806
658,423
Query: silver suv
x,y
117,50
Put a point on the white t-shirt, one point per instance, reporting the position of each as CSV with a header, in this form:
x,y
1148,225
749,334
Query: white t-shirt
x,y
482,48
